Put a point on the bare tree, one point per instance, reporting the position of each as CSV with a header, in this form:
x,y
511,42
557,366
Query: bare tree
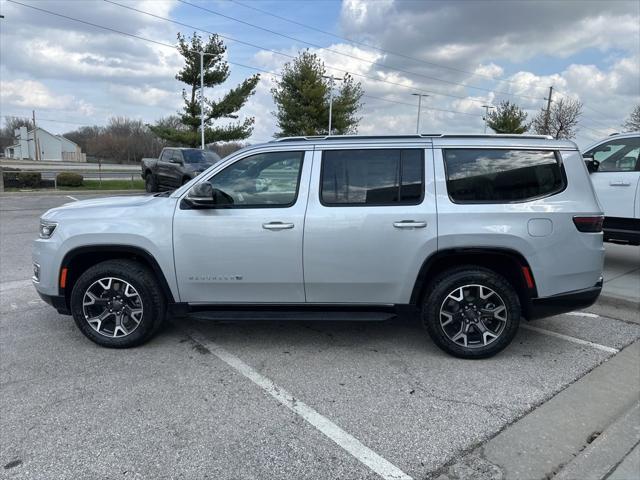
x,y
632,123
122,139
7,135
226,148
562,121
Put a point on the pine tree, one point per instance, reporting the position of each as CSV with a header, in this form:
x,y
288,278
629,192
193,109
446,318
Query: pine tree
x,y
508,118
216,72
302,100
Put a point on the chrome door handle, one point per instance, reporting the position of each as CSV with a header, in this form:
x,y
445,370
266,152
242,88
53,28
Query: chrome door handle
x,y
277,226
409,224
621,183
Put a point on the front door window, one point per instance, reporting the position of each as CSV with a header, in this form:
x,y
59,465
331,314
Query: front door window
x,y
262,180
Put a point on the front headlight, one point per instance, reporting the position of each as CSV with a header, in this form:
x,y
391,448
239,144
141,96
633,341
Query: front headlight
x,y
47,228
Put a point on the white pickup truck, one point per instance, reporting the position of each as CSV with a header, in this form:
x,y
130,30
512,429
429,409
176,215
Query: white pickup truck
x,y
614,164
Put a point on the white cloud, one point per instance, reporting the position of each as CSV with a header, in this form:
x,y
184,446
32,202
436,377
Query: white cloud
x,y
30,93
147,95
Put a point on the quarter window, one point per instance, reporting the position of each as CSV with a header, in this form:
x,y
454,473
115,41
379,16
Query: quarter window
x,y
262,180
494,176
372,177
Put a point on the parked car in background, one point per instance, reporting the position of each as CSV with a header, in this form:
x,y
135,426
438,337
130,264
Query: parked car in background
x,y
614,164
175,167
470,233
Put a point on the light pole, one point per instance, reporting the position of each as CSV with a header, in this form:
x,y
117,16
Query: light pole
x,y
419,95
486,115
202,98
331,80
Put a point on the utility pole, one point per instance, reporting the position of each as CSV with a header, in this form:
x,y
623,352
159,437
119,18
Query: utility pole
x,y
35,140
486,115
548,112
419,95
202,98
331,80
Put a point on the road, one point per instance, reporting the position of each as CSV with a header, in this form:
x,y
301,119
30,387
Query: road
x,y
291,400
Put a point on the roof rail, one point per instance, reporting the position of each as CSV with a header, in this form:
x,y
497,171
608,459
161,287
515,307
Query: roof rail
x,y
349,137
400,137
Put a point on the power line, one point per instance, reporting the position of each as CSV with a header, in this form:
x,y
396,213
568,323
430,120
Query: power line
x,y
47,120
368,45
336,52
566,95
458,112
277,52
156,42
172,46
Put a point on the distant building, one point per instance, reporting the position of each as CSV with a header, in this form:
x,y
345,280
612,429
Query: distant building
x,y
51,147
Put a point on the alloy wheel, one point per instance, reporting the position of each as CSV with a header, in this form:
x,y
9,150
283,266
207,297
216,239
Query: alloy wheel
x,y
473,316
112,307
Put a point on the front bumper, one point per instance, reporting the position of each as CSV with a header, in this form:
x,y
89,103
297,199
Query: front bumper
x,y
56,301
564,302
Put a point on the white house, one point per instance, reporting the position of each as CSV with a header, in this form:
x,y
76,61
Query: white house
x,y
50,147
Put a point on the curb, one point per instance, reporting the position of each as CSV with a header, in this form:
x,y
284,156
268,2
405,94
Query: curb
x,y
607,451
547,439
620,302
69,192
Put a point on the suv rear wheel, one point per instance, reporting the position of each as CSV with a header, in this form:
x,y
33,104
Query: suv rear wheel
x,y
471,312
118,304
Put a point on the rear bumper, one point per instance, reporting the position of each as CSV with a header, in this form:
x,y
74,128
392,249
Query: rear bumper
x,y
616,234
56,301
564,302
622,229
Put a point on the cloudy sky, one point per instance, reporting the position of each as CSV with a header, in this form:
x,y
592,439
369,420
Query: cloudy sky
x,y
463,54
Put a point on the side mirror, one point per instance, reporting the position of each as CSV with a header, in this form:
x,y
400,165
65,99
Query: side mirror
x,y
177,160
591,163
200,196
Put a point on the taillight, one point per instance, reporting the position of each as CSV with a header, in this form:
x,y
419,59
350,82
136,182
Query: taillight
x,y
590,224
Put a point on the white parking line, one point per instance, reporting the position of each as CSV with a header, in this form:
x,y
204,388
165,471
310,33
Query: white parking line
x,y
568,338
583,314
343,439
72,198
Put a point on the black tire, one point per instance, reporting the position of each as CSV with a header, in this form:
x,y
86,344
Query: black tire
x,y
471,312
148,299
150,183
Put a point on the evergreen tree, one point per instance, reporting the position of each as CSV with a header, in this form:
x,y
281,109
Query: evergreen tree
x,y
508,118
302,100
216,72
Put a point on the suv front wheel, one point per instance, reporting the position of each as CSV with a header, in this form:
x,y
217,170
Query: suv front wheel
x,y
118,304
471,312
150,183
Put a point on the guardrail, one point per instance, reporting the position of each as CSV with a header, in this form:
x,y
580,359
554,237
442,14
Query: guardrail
x,y
51,175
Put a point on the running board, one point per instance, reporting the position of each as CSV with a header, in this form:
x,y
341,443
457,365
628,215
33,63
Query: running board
x,y
300,315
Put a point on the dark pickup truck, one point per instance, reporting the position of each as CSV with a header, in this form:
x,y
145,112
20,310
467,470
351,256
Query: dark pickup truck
x,y
175,167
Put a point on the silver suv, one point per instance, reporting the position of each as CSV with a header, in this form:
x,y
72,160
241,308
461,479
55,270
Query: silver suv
x,y
469,232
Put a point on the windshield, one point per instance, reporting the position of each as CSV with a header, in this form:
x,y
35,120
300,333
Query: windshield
x,y
200,156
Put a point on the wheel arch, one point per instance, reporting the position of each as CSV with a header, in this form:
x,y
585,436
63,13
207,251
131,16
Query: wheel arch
x,y
79,259
508,263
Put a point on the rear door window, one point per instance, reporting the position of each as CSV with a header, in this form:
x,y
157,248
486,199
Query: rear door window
x,y
372,177
502,175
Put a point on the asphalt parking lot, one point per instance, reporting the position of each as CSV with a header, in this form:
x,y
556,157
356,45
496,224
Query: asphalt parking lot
x,y
263,399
